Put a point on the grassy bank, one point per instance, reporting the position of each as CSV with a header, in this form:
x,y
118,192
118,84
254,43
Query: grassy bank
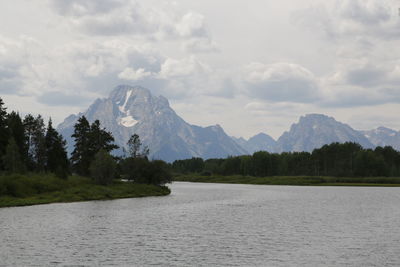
x,y
292,180
20,190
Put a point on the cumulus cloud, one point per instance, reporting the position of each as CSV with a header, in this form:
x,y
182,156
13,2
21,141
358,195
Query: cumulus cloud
x,y
280,82
353,18
361,85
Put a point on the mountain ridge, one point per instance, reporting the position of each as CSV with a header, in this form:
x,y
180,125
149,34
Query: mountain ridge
x,y
133,109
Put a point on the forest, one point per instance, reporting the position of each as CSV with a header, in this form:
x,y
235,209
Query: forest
x,y
35,166
336,160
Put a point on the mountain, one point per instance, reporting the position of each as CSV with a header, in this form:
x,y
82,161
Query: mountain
x,y
383,136
315,130
130,110
256,143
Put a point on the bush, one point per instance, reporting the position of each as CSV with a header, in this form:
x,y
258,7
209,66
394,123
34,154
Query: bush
x,y
103,168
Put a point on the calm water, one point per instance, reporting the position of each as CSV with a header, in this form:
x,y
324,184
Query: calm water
x,y
211,225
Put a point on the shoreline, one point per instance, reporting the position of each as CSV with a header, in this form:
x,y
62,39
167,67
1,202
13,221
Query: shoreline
x,y
293,180
29,191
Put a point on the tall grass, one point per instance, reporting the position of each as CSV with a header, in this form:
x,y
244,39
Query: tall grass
x,y
20,190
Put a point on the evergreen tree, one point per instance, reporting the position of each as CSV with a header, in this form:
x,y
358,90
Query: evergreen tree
x,y
12,158
16,129
38,143
56,154
89,140
100,139
81,156
3,130
103,167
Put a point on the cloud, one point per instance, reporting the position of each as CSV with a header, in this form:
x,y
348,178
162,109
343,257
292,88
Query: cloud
x,y
280,82
363,84
78,8
351,19
57,98
200,45
175,68
131,74
191,25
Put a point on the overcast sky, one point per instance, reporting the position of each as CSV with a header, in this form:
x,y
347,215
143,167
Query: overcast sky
x,y
250,66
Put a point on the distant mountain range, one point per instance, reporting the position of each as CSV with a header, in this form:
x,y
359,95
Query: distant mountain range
x,y
130,110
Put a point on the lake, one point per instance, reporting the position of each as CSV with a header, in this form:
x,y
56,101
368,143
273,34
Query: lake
x,y
211,225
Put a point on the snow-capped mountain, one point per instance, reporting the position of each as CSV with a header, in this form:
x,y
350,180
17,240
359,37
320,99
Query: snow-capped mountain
x,y
256,143
315,130
130,110
383,136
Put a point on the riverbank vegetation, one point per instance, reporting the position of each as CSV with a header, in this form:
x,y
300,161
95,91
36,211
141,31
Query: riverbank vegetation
x,y
23,190
333,164
35,168
291,180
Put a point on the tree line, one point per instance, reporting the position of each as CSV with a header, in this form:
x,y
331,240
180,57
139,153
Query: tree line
x,y
336,159
28,146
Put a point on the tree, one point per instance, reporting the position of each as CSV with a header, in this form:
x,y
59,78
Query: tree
x,y
38,142
89,140
100,139
103,168
29,125
16,129
135,147
3,129
56,154
12,158
81,156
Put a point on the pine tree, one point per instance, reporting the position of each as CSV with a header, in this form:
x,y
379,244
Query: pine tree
x,y
38,142
12,158
56,154
3,130
89,140
100,139
16,129
81,156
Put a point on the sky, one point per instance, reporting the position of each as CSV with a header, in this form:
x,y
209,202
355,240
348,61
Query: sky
x,y
249,66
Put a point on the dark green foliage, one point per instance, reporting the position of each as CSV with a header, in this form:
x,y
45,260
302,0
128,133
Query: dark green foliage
x,y
81,156
12,158
38,144
100,139
143,171
339,160
89,140
16,129
19,190
3,131
56,154
103,167
189,165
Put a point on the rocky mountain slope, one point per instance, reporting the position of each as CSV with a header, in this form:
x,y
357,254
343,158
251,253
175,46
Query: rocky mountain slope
x,y
315,130
130,110
383,136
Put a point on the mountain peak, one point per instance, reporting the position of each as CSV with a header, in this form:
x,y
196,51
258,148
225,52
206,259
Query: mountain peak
x,y
315,130
134,110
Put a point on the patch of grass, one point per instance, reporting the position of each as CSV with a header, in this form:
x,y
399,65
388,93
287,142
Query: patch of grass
x,y
292,180
22,190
